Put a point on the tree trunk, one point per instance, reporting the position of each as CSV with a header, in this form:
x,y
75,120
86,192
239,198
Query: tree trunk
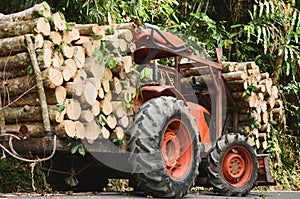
x,y
90,29
28,113
42,9
12,45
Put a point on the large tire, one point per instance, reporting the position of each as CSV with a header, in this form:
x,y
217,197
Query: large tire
x,y
165,149
233,165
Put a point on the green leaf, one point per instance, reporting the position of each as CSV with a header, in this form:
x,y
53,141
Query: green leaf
x,y
49,19
111,62
61,107
74,149
97,37
115,140
30,70
46,5
69,27
81,150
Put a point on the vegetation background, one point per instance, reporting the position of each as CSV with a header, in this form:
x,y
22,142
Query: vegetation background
x,y
264,31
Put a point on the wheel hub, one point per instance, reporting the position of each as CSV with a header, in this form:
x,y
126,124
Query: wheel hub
x,y
234,166
177,151
171,149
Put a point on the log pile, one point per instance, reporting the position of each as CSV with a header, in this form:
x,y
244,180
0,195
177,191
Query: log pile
x,y
86,71
255,94
261,105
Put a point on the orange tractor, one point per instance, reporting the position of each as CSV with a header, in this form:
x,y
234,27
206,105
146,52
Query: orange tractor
x,y
175,140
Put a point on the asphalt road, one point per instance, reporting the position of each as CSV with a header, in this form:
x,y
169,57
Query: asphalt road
x,y
200,195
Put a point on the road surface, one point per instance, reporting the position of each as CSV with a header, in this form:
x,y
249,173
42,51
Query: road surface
x,y
113,195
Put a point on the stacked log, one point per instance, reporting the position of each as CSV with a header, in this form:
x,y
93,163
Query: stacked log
x,y
87,96
256,96
261,97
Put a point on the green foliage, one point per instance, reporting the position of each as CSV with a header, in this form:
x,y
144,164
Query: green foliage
x,y
78,148
16,177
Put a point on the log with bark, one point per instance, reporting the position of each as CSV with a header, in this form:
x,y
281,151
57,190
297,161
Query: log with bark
x,y
38,10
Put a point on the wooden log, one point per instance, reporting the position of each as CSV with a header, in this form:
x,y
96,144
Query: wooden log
x,y
105,134
68,51
96,108
117,85
119,133
123,121
92,130
14,73
53,97
32,129
42,9
66,128
12,45
271,101
89,94
237,86
95,81
55,37
57,60
69,69
274,91
253,100
79,56
52,78
80,129
70,36
106,107
228,66
125,34
18,61
90,29
91,46
39,25
83,40
265,117
73,109
118,110
58,21
105,85
123,63
233,76
101,93
86,116
93,68
107,74
265,128
123,45
38,41
44,57
111,121
111,42
28,114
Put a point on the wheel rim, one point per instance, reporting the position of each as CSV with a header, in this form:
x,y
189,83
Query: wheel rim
x,y
177,150
237,166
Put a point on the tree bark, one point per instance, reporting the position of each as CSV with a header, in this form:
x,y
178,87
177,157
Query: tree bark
x,y
42,9
12,45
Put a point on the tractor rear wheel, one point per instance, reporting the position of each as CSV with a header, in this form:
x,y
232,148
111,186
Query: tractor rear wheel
x,y
165,149
233,165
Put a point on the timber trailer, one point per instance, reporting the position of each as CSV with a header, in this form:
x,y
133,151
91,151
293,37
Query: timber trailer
x,y
180,135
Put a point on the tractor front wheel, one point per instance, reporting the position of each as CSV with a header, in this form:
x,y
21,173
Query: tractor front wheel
x,y
165,149
233,165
